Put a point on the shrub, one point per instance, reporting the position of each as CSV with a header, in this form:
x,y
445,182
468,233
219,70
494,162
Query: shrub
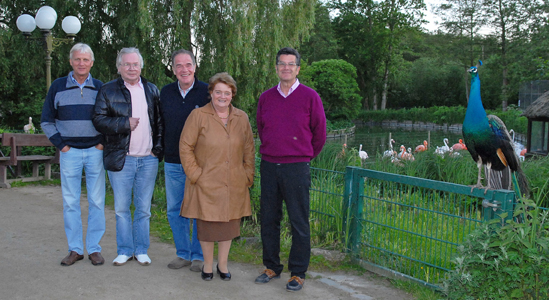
x,y
505,262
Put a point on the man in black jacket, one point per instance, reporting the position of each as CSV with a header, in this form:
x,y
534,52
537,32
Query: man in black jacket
x,y
127,113
178,99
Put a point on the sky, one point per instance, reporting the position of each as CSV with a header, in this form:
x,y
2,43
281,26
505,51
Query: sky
x,y
429,16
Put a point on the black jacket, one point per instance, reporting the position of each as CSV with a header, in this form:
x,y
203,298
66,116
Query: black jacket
x,y
113,108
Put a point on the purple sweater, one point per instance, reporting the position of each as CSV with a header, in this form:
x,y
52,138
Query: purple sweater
x,y
291,129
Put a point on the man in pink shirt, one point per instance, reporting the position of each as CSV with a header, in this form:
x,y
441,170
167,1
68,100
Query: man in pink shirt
x,y
127,113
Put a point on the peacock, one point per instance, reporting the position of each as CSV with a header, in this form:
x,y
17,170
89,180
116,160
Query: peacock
x,y
490,144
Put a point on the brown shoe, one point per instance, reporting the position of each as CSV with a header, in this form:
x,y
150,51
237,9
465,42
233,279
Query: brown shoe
x,y
71,258
96,258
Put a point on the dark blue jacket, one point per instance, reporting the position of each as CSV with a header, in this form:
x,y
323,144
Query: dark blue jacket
x,y
175,111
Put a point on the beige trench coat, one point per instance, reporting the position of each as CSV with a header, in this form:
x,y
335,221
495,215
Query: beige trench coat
x,y
219,164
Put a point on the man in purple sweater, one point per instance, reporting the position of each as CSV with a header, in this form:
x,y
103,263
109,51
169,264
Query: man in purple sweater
x,y
292,127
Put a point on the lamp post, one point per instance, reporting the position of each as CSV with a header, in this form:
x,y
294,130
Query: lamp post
x,y
45,20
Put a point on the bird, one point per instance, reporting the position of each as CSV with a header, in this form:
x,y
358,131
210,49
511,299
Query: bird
x,y
459,146
445,148
421,148
520,149
29,128
342,153
390,152
489,143
362,154
408,155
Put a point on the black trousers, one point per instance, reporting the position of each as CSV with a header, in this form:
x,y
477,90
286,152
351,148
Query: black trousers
x,y
289,183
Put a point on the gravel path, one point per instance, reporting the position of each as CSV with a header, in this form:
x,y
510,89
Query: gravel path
x,y
32,243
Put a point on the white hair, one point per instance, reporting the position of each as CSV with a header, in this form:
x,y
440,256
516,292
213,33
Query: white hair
x,y
82,48
125,51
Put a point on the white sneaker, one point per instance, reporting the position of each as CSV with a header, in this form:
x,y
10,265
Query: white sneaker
x,y
143,259
121,260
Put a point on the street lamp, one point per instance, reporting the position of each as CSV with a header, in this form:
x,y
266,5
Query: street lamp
x,y
45,20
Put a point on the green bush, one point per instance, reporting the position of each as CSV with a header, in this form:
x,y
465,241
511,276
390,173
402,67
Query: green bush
x,y
335,82
505,262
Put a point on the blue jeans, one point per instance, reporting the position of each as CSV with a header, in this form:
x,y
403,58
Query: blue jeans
x,y
175,188
139,176
72,163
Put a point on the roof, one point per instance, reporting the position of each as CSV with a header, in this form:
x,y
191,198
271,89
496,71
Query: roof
x,y
539,109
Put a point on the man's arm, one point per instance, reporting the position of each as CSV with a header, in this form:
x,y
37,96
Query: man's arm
x,y
48,119
318,125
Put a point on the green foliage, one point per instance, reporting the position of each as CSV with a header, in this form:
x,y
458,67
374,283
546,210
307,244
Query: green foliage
x,y
429,82
335,82
505,262
536,169
322,43
338,124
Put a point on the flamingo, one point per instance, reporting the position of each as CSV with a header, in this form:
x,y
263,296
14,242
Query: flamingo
x,y
342,153
29,128
402,151
522,154
390,152
362,154
408,155
459,146
421,148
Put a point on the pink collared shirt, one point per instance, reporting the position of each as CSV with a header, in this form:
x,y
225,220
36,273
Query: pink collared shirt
x,y
292,88
141,136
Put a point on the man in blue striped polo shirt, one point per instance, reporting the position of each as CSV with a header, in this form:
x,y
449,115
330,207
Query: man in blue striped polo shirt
x,y
67,121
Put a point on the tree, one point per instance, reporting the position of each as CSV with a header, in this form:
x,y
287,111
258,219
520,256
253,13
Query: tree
x,y
241,37
463,18
322,43
369,34
335,82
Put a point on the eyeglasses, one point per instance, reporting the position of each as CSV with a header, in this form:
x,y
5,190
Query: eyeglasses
x,y
283,64
219,93
128,66
186,66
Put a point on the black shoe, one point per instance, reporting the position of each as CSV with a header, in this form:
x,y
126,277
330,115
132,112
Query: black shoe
x,y
224,276
295,284
206,276
266,276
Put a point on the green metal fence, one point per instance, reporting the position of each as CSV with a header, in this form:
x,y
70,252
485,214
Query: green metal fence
x,y
398,225
411,227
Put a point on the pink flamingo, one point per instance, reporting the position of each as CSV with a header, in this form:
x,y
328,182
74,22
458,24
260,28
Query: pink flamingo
x,y
421,148
459,146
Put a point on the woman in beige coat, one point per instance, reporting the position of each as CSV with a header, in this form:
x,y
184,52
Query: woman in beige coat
x,y
218,155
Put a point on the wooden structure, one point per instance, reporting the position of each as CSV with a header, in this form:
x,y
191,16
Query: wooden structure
x,y
538,126
16,141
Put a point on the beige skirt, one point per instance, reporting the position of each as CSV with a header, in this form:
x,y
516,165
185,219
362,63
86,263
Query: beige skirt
x,y
217,231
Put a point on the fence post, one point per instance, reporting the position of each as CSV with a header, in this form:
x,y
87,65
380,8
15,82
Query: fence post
x,y
503,201
352,208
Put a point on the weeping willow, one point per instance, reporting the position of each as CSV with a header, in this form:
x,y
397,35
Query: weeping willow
x,y
240,37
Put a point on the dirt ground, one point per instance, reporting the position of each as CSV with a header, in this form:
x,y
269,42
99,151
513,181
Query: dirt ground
x,y
33,242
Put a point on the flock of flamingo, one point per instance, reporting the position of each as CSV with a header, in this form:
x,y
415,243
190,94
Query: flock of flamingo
x,y
407,154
